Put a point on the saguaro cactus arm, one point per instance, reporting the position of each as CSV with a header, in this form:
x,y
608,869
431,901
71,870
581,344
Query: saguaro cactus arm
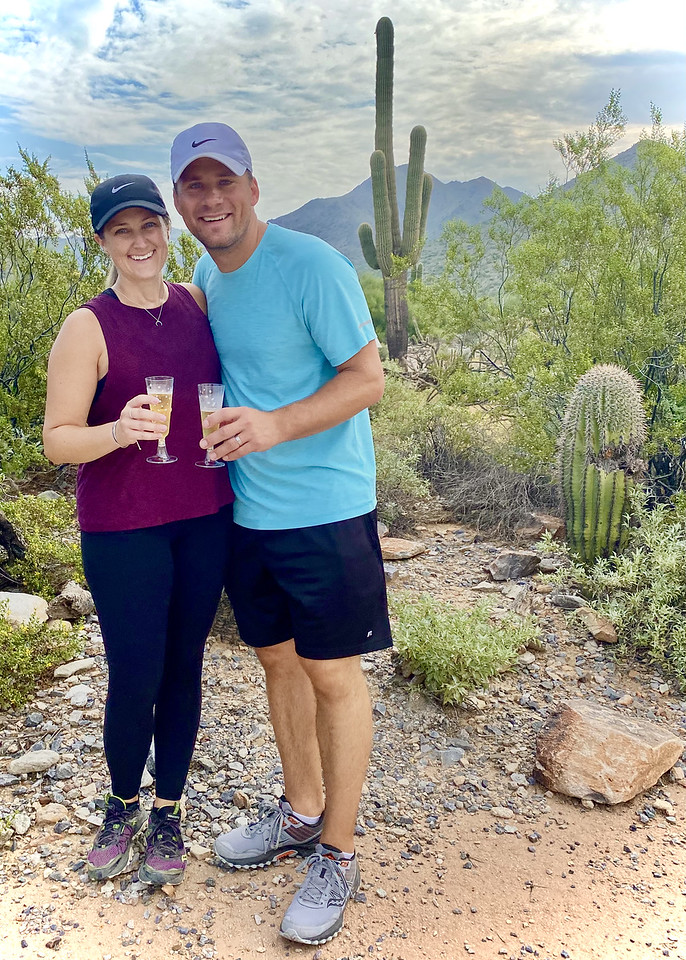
x,y
366,235
409,246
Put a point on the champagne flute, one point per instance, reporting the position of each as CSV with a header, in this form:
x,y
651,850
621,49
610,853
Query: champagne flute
x,y
210,398
162,388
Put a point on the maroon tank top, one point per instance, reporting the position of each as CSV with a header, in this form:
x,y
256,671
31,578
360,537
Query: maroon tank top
x,y
120,491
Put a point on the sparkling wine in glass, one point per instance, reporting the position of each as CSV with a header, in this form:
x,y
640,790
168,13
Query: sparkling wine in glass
x,y
162,388
211,398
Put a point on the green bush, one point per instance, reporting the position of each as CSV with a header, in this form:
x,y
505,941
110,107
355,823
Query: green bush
x,y
455,650
27,653
643,592
49,530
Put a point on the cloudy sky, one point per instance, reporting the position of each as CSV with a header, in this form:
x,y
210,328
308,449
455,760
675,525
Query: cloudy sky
x,y
493,81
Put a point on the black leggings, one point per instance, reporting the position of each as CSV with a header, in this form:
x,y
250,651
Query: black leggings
x,y
156,592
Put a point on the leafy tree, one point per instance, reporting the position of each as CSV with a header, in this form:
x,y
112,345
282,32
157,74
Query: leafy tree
x,y
583,151
183,255
49,264
594,273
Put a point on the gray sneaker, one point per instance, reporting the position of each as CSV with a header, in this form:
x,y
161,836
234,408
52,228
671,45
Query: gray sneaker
x,y
276,835
316,913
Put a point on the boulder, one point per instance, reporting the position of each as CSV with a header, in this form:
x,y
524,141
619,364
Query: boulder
x,y
35,761
514,564
72,603
22,606
536,524
393,548
600,628
594,753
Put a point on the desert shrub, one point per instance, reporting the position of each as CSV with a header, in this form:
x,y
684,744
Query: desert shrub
x,y
406,424
27,653
482,491
48,528
643,591
455,651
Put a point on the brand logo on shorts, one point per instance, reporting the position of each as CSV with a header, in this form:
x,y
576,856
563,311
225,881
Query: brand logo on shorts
x,y
369,633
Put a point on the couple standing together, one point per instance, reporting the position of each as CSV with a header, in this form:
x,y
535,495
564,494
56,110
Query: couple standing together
x,y
291,337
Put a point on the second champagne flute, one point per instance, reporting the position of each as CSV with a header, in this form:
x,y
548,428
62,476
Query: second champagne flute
x,y
162,388
210,398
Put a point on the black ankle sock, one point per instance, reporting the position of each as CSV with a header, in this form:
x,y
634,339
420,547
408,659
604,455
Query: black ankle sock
x,y
132,805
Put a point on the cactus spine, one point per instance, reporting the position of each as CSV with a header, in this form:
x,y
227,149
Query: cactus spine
x,y
599,459
394,253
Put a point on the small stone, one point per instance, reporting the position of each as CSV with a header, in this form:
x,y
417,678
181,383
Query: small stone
x,y
600,628
502,813
381,893
51,813
21,823
75,666
35,761
394,548
33,719
198,851
514,564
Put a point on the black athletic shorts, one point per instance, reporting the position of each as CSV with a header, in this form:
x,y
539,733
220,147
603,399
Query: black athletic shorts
x,y
322,586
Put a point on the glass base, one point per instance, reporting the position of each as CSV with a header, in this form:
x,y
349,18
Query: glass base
x,y
157,459
212,465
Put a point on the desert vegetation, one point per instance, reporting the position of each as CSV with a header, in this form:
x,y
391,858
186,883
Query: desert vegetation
x,y
590,272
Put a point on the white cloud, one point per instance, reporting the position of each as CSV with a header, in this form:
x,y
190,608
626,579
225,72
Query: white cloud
x,y
494,81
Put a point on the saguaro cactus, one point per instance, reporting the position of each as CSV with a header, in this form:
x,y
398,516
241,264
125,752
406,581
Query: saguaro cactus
x,y
599,459
394,253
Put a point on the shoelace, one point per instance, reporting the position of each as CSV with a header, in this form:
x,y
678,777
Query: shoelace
x,y
167,838
317,884
113,826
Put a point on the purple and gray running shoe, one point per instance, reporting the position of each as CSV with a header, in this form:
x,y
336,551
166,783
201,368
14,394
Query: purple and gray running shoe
x,y
114,844
165,855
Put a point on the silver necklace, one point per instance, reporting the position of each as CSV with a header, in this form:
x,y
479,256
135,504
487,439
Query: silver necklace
x,y
158,322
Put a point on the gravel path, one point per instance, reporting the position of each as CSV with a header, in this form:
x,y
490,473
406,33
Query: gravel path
x,y
462,851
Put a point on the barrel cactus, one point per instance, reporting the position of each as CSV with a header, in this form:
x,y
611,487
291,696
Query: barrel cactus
x,y
599,459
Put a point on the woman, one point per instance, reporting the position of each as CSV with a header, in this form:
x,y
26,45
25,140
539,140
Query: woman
x,y
153,534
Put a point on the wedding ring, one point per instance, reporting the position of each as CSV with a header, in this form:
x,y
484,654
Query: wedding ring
x,y
237,438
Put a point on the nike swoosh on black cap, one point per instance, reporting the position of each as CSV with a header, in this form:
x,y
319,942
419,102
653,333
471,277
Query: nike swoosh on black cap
x,y
118,193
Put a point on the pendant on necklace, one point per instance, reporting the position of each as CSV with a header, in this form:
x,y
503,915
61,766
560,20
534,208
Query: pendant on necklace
x,y
158,322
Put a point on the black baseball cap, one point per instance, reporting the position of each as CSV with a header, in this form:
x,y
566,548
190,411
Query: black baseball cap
x,y
118,193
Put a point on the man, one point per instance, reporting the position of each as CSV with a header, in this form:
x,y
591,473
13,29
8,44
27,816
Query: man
x,y
300,367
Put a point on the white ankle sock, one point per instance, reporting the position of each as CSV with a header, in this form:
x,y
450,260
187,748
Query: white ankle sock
x,y
310,821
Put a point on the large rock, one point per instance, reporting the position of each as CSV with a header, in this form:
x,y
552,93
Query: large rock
x,y
35,761
594,753
73,603
22,606
600,628
513,564
536,524
393,548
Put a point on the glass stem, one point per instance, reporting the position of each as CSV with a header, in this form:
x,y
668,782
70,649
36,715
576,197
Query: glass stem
x,y
162,448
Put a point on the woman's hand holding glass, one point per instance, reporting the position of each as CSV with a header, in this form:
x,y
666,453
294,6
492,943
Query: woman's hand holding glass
x,y
139,421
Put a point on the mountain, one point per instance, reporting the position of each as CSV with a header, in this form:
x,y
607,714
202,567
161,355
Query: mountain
x,y
336,219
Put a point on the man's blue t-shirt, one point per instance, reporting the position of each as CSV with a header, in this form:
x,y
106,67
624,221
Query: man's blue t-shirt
x,y
282,323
